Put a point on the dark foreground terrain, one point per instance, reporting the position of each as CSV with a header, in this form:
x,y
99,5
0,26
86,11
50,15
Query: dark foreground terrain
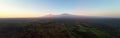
x,y
60,28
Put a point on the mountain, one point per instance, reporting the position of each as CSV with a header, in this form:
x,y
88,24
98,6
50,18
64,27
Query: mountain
x,y
65,16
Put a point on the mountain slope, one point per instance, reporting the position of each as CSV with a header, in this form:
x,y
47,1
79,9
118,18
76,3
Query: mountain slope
x,y
60,26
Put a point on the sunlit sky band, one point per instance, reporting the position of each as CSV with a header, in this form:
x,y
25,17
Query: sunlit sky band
x,y
38,8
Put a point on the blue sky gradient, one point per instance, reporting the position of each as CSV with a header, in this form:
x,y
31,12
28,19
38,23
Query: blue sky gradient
x,y
80,7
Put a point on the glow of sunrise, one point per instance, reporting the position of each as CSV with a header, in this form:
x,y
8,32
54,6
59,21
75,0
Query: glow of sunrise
x,y
38,8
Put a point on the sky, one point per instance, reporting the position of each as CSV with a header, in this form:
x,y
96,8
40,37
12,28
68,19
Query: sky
x,y
38,8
